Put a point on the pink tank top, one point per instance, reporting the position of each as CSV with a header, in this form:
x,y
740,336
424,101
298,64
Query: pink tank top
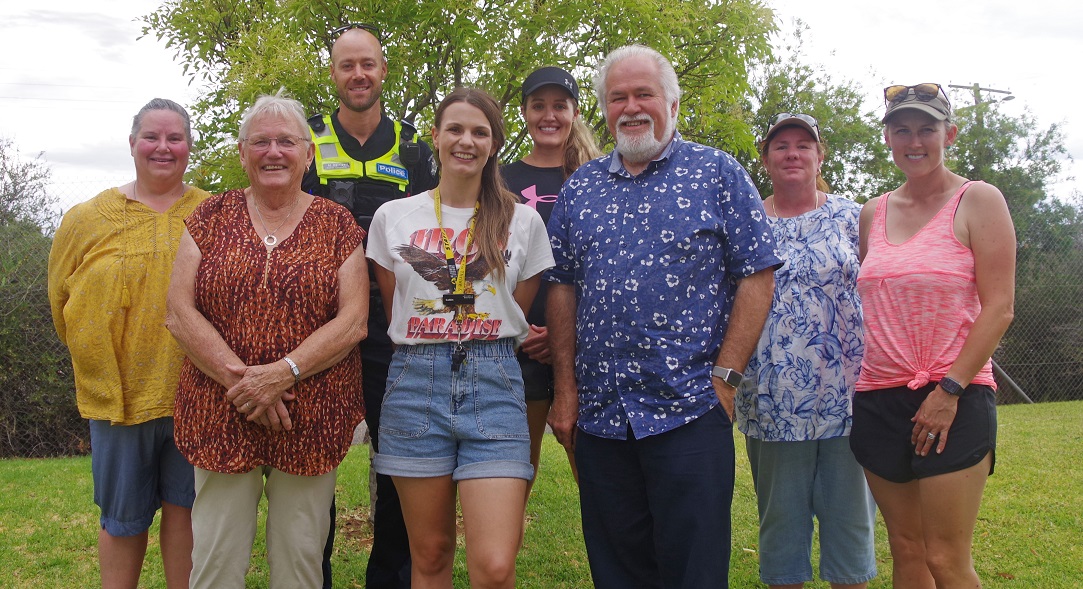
x,y
920,299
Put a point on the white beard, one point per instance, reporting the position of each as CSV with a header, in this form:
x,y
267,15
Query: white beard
x,y
643,147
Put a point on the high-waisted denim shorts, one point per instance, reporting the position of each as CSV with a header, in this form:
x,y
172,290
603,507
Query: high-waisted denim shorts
x,y
469,423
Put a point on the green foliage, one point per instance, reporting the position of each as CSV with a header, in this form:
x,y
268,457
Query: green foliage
x,y
23,189
37,408
1041,348
857,163
238,50
1011,153
38,416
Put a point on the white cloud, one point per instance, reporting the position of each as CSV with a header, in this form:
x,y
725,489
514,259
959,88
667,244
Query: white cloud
x,y
72,76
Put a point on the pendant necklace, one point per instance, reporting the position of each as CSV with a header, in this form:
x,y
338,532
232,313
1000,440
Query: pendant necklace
x,y
815,204
270,240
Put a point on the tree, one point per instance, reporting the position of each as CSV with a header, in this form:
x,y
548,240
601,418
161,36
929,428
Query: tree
x,y
1012,153
857,163
1041,348
24,195
38,416
238,50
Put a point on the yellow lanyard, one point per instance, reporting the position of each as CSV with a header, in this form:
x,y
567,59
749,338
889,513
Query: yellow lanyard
x,y
457,276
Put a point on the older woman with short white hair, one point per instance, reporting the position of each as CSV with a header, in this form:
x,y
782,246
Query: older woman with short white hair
x,y
269,298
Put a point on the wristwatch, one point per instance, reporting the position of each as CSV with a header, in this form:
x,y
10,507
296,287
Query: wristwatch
x,y
728,375
951,386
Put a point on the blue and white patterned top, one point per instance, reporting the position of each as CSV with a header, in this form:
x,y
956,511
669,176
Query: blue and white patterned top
x,y
799,385
654,259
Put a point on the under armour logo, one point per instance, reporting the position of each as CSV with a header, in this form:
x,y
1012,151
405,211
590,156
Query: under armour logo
x,y
531,197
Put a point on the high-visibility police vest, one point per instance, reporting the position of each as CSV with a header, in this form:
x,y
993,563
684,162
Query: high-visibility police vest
x,y
333,163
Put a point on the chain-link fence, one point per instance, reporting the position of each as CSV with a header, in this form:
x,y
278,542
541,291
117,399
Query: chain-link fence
x,y
38,416
1041,355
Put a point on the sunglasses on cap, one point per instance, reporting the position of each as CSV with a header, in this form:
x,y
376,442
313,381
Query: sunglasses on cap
x,y
785,119
375,30
782,116
923,92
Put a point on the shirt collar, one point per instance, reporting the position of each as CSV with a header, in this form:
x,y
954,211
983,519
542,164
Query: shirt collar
x,y
615,164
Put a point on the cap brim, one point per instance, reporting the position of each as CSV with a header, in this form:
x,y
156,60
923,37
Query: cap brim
x,y
924,107
528,91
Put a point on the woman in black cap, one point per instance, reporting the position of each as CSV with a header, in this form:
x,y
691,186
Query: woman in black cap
x,y
937,285
562,143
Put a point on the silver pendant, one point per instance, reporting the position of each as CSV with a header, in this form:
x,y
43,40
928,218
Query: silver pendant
x,y
270,240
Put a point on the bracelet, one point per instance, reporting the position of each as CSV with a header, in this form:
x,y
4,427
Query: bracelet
x,y
294,369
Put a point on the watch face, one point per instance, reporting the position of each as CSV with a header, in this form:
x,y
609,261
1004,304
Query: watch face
x,y
734,378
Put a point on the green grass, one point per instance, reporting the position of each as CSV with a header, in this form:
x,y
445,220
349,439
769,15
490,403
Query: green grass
x,y
1028,536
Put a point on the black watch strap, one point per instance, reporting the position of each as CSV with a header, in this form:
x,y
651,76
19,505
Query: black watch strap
x,y
952,386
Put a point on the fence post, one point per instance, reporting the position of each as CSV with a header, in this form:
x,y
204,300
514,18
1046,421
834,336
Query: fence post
x,y
1011,383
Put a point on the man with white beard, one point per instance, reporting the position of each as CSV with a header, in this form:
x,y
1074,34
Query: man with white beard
x,y
664,277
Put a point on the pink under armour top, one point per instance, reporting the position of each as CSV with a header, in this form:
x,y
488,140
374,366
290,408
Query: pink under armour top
x,y
920,299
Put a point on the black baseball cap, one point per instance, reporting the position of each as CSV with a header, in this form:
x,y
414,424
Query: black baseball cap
x,y
550,76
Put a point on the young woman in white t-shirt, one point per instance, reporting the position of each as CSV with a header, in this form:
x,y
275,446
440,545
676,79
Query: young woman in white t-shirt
x,y
458,267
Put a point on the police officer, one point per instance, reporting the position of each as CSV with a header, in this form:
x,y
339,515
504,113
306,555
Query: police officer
x,y
364,159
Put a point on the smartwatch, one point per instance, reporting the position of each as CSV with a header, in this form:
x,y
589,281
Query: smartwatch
x,y
952,387
728,375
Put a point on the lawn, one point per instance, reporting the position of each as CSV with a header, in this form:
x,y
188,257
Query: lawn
x,y
1029,535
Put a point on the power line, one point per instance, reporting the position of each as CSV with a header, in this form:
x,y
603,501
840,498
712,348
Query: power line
x,y
66,99
65,85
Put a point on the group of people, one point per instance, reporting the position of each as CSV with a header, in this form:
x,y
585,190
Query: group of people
x,y
640,302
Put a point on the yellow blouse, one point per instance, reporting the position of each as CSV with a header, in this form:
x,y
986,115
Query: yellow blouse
x,y
109,271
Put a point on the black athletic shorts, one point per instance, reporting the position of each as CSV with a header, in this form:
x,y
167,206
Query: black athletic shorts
x,y
880,436
538,379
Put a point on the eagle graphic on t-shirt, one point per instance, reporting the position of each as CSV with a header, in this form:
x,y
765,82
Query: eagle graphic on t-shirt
x,y
434,269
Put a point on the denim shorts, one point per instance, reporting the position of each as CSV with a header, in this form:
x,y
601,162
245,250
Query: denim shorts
x,y
469,423
135,469
796,481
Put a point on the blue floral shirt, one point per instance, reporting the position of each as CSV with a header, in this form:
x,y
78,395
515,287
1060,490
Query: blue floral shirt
x,y
655,260
799,385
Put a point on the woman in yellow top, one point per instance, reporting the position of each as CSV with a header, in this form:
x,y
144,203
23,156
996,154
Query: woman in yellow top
x,y
109,272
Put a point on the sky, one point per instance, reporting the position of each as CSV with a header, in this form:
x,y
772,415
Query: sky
x,y
73,73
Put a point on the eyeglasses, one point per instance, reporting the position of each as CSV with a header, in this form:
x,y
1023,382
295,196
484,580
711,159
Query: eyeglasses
x,y
285,142
782,116
923,92
375,30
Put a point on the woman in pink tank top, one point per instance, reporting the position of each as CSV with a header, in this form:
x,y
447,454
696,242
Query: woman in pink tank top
x,y
937,283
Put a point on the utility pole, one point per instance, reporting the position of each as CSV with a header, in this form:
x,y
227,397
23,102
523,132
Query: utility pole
x,y
982,163
979,119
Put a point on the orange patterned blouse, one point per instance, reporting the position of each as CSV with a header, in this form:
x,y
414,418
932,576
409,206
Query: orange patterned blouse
x,y
264,304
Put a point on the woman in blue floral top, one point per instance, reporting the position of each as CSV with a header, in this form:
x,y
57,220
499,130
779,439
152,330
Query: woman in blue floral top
x,y
794,405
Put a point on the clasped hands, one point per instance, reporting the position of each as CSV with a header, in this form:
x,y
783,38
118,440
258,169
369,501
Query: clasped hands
x,y
260,393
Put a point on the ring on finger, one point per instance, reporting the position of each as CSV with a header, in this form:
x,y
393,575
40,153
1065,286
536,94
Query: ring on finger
x,y
931,436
